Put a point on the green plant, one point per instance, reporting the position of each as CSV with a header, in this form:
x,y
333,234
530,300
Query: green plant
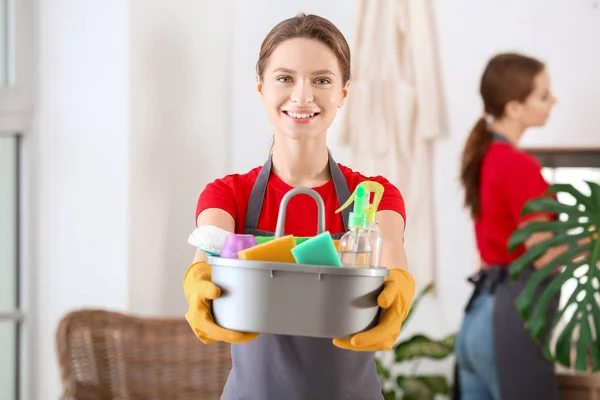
x,y
413,386
577,229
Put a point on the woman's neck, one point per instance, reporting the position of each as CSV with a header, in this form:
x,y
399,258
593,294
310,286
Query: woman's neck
x,y
301,163
511,130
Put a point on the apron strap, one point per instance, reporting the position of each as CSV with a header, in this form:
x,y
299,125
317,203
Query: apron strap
x,y
257,195
499,138
341,189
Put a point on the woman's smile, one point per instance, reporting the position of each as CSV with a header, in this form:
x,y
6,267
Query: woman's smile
x,y
300,116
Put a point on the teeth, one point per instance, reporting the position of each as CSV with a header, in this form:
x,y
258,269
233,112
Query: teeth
x,y
295,115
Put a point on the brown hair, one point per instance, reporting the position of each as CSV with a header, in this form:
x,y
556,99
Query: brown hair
x,y
311,27
507,77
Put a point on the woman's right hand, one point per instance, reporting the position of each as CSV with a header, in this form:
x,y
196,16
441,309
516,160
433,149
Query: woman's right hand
x,y
199,292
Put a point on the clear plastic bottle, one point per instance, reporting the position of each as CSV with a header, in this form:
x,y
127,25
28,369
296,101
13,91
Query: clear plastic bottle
x,y
355,248
361,245
376,243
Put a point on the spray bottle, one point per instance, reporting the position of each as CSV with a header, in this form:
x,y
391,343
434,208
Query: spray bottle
x,y
361,245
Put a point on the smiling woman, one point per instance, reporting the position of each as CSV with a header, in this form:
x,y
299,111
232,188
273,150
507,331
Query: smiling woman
x,y
302,95
302,77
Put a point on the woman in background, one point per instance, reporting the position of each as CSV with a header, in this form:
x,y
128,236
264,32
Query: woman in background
x,y
302,77
496,356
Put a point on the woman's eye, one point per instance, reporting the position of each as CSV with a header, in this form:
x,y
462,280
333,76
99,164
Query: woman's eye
x,y
284,79
322,81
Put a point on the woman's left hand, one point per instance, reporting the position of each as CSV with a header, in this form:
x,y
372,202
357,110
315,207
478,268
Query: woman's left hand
x,y
395,300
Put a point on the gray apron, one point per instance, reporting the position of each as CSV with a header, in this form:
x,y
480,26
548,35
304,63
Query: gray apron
x,y
523,371
278,367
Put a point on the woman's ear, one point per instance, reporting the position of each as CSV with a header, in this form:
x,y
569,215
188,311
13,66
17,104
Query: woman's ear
x,y
513,109
259,85
345,90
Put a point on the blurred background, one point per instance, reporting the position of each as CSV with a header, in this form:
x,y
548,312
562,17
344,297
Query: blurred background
x,y
115,114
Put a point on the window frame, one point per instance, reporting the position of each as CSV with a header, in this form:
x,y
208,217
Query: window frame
x,y
16,314
16,119
16,98
567,157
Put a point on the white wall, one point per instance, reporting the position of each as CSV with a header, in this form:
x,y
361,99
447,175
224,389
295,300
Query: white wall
x,y
133,121
180,80
82,126
130,125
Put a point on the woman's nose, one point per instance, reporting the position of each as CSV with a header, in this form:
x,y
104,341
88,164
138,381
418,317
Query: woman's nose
x,y
302,93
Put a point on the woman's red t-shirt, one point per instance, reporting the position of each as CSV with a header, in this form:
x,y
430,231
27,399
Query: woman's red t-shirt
x,y
509,178
232,192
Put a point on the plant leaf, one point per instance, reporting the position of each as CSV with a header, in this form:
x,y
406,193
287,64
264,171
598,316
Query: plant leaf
x,y
389,395
422,346
423,387
414,389
551,205
578,231
586,201
382,371
521,235
595,192
416,301
449,341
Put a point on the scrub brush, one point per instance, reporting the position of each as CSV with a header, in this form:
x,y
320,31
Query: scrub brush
x,y
209,239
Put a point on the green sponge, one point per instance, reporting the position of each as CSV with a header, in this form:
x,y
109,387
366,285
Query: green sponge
x,y
264,239
318,250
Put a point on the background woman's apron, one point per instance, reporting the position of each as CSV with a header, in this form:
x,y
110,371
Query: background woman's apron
x,y
278,367
523,371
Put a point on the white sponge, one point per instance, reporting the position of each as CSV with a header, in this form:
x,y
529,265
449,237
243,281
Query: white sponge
x,y
208,238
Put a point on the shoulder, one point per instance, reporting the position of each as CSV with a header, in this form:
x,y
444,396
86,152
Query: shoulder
x,y
392,198
227,192
519,163
507,162
233,182
511,157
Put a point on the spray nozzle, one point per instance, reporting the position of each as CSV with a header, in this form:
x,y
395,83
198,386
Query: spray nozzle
x,y
363,212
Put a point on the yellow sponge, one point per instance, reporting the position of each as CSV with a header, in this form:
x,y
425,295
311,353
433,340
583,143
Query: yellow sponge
x,y
276,250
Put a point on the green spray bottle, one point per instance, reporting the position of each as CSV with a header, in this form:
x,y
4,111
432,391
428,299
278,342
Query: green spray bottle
x,y
361,245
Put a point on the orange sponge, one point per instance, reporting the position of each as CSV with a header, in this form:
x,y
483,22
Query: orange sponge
x,y
276,250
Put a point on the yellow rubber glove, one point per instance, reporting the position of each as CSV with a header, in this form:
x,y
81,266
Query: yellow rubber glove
x,y
395,300
199,292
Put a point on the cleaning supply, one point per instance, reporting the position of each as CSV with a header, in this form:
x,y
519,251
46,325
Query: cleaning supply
x,y
235,243
264,239
318,250
276,250
364,216
200,292
208,238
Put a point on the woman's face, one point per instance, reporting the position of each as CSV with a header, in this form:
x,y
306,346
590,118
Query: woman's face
x,y
302,88
536,108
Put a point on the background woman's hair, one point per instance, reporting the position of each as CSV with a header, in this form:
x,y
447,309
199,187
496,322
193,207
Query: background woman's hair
x,y
507,77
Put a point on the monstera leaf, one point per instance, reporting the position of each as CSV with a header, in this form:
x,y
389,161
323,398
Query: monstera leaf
x,y
577,228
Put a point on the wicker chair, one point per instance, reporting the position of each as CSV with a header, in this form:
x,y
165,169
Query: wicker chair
x,y
108,355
